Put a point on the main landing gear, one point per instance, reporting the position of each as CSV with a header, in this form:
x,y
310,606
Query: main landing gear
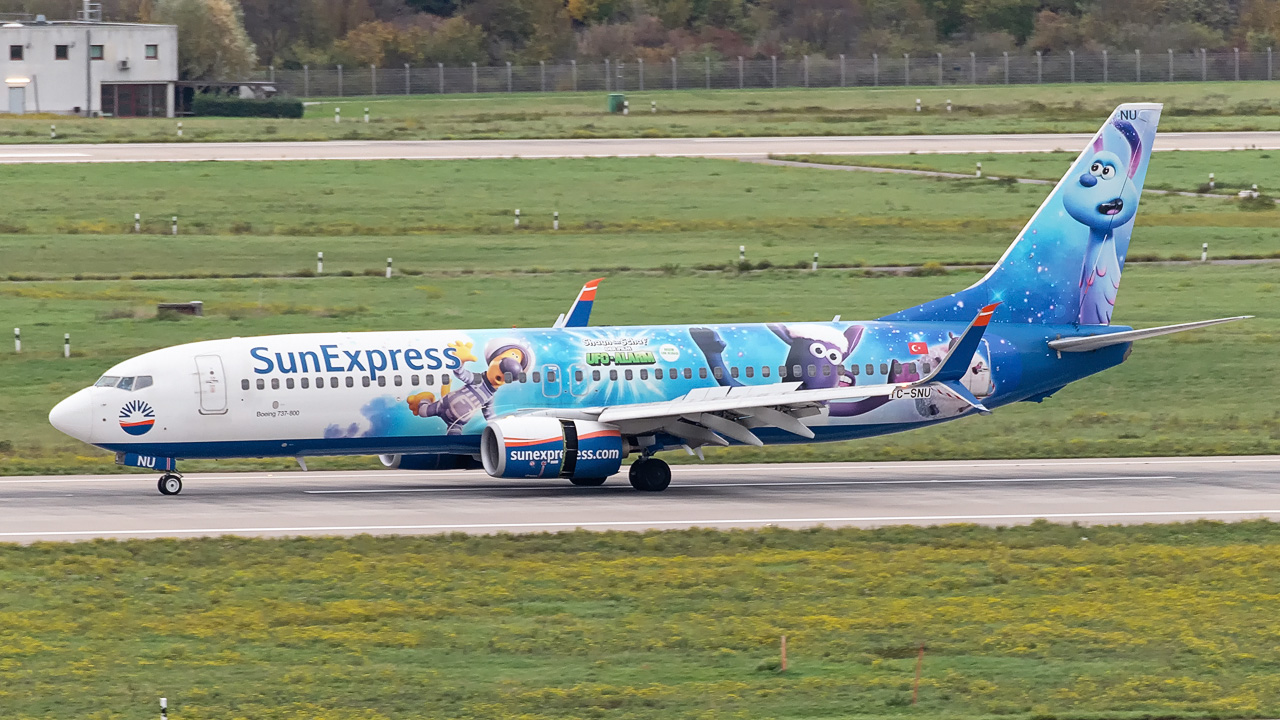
x,y
650,474
170,484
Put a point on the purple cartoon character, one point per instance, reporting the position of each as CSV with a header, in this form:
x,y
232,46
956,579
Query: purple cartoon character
x,y
1103,198
506,359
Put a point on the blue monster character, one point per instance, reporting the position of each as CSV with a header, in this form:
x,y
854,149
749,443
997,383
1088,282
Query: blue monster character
x,y
456,407
1103,198
820,351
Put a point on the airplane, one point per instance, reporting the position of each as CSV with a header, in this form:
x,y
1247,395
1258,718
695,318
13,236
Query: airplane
x,y
573,401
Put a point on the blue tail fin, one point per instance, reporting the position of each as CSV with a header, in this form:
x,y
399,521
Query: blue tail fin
x,y
1064,267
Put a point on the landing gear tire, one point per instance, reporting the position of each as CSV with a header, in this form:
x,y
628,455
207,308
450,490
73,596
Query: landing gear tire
x,y
169,484
587,482
650,475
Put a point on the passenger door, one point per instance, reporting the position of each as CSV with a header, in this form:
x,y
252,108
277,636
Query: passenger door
x,y
551,381
213,386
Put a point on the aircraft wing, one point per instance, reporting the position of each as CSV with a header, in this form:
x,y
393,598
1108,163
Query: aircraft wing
x,y
706,416
1097,342
580,311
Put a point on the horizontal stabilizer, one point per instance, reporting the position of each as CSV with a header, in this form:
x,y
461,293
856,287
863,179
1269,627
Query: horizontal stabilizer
x,y
1096,342
956,364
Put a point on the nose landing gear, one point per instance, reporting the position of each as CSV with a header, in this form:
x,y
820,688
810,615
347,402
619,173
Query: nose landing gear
x,y
170,484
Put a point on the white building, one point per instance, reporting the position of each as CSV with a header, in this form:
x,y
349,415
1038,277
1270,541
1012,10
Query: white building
x,y
89,68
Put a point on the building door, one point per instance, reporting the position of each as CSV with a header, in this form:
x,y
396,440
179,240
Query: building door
x,y
17,100
213,388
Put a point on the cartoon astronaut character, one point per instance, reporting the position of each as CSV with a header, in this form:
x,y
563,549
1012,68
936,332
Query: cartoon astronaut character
x,y
1103,198
473,392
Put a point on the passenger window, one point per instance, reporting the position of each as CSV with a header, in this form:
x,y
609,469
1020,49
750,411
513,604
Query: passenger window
x,y
796,372
333,382
911,368
764,371
782,372
750,371
884,369
613,374
413,379
853,370
288,383
537,376
143,381
244,384
925,368
351,382
107,381
365,381
813,371
871,370
577,376
306,383
657,373
126,383
508,377
719,373
644,374
702,373
524,377
275,383
262,384
382,381
688,373
826,371
733,372
398,381
628,373
595,375
429,379
445,380
551,376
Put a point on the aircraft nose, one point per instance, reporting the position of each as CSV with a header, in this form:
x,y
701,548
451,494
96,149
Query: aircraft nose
x,y
74,416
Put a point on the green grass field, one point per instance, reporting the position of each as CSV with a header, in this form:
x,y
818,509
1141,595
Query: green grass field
x,y
695,113
1045,621
1189,394
1181,171
65,221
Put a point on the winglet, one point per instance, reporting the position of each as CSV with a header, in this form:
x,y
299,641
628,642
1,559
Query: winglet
x,y
580,312
956,364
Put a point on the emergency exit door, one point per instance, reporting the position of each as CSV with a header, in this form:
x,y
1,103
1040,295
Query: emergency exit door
x,y
213,387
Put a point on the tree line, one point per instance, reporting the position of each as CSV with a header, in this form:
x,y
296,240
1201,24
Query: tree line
x,y
223,38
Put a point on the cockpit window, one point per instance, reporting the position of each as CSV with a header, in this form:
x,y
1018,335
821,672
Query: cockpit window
x,y
124,383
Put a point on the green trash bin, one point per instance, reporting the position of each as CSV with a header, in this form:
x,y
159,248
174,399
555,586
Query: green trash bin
x,y
616,102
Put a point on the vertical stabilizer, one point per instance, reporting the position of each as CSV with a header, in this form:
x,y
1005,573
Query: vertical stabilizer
x,y
1065,265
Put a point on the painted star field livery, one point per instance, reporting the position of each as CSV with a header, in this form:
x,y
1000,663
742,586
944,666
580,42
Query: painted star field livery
x,y
573,401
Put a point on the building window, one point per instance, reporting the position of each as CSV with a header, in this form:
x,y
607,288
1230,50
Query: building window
x,y
95,52
60,52
15,52
153,52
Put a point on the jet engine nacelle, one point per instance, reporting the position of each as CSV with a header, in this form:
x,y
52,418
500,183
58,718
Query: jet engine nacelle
x,y
429,462
543,447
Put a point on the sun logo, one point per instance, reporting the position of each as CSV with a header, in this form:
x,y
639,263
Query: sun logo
x,y
137,417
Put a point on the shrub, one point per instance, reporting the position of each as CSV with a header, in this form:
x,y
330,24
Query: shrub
x,y
218,106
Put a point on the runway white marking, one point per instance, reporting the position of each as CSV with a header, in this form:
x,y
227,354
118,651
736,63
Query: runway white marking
x,y
655,523
43,155
817,483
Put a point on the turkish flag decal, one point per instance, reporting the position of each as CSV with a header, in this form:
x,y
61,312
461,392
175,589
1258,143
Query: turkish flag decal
x,y
918,348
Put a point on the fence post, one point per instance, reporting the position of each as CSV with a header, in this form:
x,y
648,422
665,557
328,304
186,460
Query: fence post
x,y
1039,68
606,74
271,70
542,74
675,79
440,71
1268,62
17,340
508,76
1237,54
939,69
739,72
1104,66
339,81
1170,64
66,345
806,71
1137,67
1204,65
707,59
373,79
1006,67
875,70
906,68
1073,65
973,69
774,60
406,78
475,78
640,67
841,69
573,65
306,81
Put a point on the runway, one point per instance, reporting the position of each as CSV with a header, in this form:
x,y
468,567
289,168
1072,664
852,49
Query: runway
x,y
990,492
752,147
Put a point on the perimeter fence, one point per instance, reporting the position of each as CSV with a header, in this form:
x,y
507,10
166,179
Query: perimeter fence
x,y
805,72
